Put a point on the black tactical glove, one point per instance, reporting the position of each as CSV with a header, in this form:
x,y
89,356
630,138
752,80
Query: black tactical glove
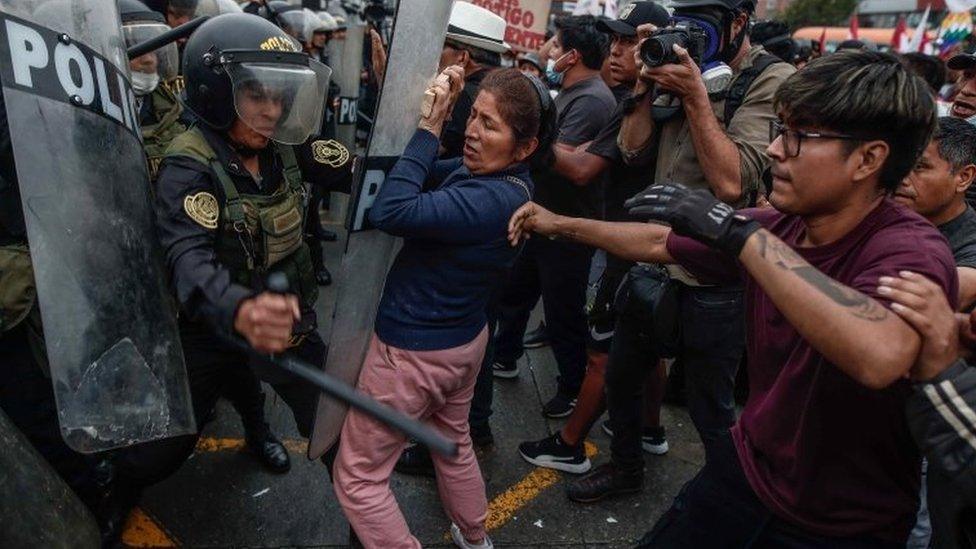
x,y
695,214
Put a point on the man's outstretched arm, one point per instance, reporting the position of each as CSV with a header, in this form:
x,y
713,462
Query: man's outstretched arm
x,y
634,241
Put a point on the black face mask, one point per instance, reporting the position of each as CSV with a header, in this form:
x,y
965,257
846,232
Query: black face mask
x,y
734,45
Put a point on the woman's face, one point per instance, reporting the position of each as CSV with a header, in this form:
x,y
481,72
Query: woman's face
x,y
489,143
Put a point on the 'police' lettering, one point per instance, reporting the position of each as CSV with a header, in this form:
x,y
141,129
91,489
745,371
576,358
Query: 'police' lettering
x,y
42,62
27,50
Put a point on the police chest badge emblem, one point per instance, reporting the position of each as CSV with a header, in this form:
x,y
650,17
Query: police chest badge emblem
x,y
331,153
202,208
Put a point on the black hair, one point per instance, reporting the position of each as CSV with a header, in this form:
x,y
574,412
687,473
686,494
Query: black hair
x,y
580,33
929,67
868,95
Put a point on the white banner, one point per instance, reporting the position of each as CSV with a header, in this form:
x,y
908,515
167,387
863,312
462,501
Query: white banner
x,y
526,20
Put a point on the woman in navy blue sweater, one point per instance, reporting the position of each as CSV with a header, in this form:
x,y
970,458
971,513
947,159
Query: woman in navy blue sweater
x,y
431,327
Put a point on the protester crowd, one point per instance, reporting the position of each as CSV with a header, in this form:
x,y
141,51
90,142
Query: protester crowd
x,y
782,239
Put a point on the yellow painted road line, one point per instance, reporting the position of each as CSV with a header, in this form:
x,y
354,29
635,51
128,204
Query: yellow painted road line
x,y
503,507
212,444
142,531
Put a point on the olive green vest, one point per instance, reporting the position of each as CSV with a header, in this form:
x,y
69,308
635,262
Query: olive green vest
x,y
258,234
157,137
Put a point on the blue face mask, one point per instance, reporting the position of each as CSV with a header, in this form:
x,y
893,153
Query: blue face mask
x,y
710,57
554,77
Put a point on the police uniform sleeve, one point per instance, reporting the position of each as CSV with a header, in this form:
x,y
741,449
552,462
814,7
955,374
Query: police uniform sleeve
x,y
327,163
187,220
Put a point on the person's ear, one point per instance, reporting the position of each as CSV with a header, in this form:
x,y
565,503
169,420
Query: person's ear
x,y
965,178
526,149
869,159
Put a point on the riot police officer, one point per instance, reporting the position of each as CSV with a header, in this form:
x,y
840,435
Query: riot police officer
x,y
162,118
230,207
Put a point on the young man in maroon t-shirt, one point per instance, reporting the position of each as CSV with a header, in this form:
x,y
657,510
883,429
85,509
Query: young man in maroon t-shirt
x,y
821,455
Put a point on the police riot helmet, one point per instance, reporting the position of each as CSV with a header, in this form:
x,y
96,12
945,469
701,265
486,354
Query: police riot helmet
x,y
297,21
139,24
241,66
329,23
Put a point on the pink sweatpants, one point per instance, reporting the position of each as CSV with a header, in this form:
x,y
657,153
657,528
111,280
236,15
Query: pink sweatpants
x,y
436,387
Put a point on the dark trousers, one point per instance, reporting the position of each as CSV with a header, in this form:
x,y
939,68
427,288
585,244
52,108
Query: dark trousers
x,y
313,225
484,387
718,509
558,271
710,346
952,508
210,365
27,397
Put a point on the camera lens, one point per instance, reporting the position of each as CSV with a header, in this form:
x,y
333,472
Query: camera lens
x,y
653,52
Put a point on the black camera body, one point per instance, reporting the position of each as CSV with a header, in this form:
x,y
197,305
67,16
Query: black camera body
x,y
658,49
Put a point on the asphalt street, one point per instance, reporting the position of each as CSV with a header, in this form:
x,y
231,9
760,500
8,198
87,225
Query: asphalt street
x,y
222,497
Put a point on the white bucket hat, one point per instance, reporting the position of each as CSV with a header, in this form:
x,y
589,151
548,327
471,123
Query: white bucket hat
x,y
478,27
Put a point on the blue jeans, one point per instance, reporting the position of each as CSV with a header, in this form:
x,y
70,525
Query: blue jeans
x,y
710,346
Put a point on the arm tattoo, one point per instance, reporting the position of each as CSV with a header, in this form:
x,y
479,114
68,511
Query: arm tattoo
x,y
785,258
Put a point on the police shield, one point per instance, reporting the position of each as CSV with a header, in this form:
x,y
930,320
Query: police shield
x,y
109,323
418,34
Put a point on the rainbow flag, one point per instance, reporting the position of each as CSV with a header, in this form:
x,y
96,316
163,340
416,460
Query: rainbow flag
x,y
954,29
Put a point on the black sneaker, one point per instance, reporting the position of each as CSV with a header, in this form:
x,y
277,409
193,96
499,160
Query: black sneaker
x,y
551,452
536,338
559,406
605,481
504,370
653,441
415,460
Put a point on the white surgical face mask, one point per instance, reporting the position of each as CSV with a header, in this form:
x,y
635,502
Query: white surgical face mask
x,y
144,83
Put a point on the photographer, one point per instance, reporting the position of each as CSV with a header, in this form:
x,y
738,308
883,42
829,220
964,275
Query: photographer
x,y
704,132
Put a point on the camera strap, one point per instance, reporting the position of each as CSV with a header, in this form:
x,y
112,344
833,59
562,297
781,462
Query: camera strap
x,y
739,88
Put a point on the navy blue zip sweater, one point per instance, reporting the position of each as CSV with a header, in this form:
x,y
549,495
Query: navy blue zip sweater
x,y
455,250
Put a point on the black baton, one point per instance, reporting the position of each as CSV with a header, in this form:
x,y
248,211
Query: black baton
x,y
278,283
182,31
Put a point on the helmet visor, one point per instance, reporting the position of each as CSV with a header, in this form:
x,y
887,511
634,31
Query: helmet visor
x,y
163,61
283,102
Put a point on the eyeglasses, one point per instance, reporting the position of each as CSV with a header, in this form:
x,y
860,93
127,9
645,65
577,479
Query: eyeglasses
x,y
793,138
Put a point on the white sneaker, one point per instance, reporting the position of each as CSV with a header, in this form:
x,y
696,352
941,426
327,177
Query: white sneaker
x,y
465,544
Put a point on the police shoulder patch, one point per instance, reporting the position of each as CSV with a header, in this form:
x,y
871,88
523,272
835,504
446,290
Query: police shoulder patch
x,y
330,152
202,208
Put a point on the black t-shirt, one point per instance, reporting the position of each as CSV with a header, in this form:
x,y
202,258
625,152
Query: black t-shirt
x,y
452,138
961,234
583,110
624,181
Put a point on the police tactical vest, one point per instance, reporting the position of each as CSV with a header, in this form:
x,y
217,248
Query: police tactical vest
x,y
157,137
258,234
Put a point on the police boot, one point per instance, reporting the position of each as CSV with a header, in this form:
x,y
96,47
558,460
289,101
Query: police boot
x,y
323,277
113,512
268,450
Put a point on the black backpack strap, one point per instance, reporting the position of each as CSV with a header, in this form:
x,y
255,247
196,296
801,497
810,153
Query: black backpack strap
x,y
740,86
